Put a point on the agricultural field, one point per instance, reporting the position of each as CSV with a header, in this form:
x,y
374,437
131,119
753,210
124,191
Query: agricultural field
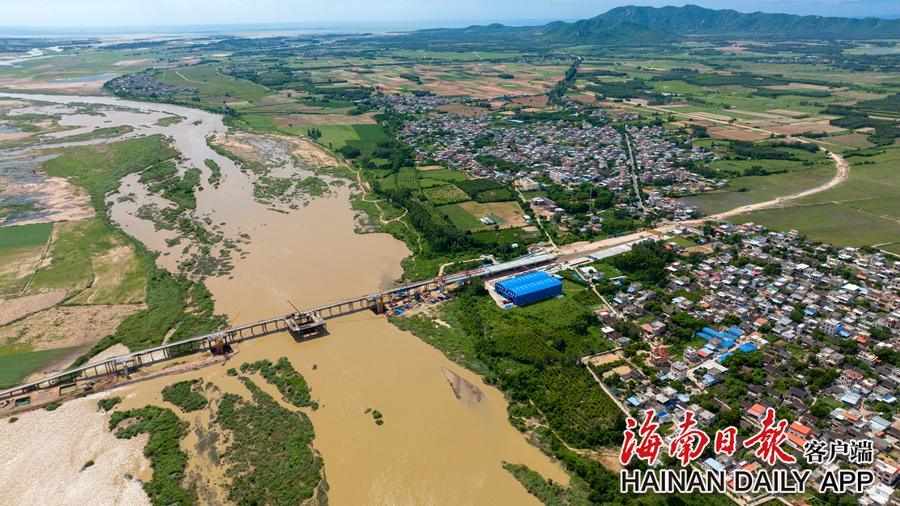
x,y
455,79
408,179
16,365
360,136
445,194
863,211
467,215
460,218
213,87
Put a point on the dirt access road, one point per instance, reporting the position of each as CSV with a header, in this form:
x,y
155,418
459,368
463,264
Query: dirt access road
x,y
843,172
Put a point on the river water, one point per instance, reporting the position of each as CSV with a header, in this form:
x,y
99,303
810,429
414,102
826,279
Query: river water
x,y
433,448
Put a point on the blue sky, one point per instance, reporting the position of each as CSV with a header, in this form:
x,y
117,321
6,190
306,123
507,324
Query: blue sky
x,y
414,13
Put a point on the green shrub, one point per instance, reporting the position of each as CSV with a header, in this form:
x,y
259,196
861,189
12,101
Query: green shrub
x,y
184,395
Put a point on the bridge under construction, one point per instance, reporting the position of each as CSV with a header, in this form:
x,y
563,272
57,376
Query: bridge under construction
x,y
300,324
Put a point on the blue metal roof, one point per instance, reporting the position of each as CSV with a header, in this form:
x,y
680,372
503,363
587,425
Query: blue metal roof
x,y
736,331
747,347
510,283
528,283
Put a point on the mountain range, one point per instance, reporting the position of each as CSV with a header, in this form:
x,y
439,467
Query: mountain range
x,y
641,25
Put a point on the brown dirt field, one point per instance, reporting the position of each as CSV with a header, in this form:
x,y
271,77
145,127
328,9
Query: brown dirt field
x,y
737,134
709,115
113,351
67,326
703,248
851,140
510,212
584,98
621,371
461,109
26,85
757,114
606,358
427,168
537,101
444,90
131,63
13,309
14,136
242,145
802,86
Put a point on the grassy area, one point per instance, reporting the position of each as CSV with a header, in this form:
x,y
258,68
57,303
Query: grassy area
x,y
25,236
16,365
460,218
82,249
176,306
682,241
864,210
364,137
99,133
97,168
743,190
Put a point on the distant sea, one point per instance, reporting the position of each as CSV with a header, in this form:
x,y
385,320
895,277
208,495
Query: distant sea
x,y
253,28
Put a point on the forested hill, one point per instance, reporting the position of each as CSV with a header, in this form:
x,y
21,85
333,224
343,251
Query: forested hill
x,y
599,30
586,31
694,20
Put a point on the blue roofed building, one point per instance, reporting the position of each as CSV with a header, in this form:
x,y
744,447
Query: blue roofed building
x,y
529,288
747,347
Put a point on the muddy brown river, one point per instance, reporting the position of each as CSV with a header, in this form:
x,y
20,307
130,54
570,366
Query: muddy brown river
x,y
433,448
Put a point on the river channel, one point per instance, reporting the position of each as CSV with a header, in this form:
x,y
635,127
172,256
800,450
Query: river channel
x,y
432,448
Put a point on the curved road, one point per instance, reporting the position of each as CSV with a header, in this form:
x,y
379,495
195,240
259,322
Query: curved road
x,y
843,172
582,249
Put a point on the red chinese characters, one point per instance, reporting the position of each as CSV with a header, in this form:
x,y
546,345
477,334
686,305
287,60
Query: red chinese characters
x,y
726,441
769,439
690,442
650,442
